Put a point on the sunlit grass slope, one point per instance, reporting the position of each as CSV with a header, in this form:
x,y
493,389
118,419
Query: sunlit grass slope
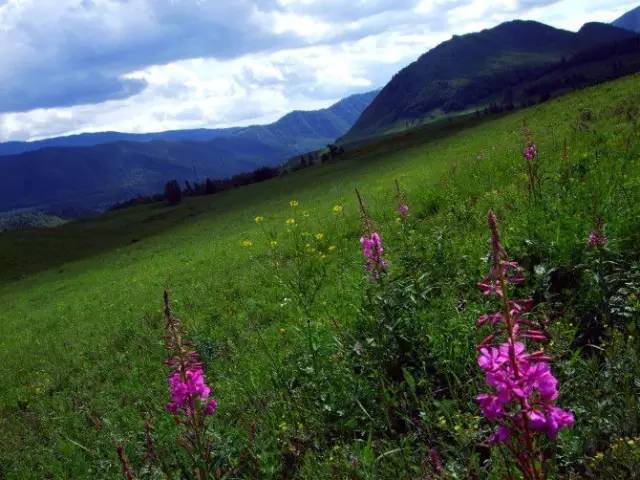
x,y
80,318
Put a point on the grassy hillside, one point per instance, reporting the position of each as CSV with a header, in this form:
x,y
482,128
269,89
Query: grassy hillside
x,y
81,332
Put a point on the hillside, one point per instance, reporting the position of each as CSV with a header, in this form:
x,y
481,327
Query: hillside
x,y
630,20
85,179
70,179
319,372
474,70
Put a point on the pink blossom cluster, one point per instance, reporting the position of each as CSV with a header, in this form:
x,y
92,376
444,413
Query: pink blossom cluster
x,y
403,210
527,382
372,250
597,238
529,151
186,388
523,390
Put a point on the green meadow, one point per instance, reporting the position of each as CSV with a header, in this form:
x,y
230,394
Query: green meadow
x,y
288,324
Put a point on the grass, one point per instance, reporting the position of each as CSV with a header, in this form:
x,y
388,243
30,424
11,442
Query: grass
x,y
81,331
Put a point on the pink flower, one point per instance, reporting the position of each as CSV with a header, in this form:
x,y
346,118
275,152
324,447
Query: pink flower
x,y
490,359
403,210
188,387
558,419
530,151
493,318
522,389
490,287
372,250
490,405
597,239
500,435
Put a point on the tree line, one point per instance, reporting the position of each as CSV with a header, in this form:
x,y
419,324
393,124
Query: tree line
x,y
174,191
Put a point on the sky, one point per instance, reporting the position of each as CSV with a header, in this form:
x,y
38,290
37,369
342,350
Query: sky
x,y
71,66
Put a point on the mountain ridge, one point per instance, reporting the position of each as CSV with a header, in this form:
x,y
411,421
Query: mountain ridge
x,y
629,20
90,178
456,74
341,112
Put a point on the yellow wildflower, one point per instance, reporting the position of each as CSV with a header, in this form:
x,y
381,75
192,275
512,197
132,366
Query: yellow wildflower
x,y
293,204
291,221
247,243
338,209
333,248
319,236
274,243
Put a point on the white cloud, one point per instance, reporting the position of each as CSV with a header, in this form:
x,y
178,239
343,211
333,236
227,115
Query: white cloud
x,y
148,65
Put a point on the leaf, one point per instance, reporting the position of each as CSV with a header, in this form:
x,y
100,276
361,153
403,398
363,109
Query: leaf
x,y
409,379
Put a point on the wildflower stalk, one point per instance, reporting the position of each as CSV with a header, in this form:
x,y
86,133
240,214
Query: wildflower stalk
x,y
529,153
403,205
524,389
371,245
126,469
597,237
190,403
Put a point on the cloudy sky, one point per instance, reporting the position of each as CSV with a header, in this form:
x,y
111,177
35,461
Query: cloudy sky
x,y
69,66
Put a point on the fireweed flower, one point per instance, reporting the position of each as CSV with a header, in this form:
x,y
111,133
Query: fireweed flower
x,y
522,390
529,152
371,244
190,400
403,205
372,250
597,238
403,210
188,390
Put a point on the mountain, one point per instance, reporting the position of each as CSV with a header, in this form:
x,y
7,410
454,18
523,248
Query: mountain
x,y
470,71
73,179
314,127
303,131
630,20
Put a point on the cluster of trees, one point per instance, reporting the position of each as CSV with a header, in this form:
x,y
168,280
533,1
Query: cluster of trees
x,y
174,192
332,152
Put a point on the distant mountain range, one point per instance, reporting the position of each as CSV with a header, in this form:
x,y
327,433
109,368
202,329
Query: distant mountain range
x,y
630,20
89,172
514,64
497,66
